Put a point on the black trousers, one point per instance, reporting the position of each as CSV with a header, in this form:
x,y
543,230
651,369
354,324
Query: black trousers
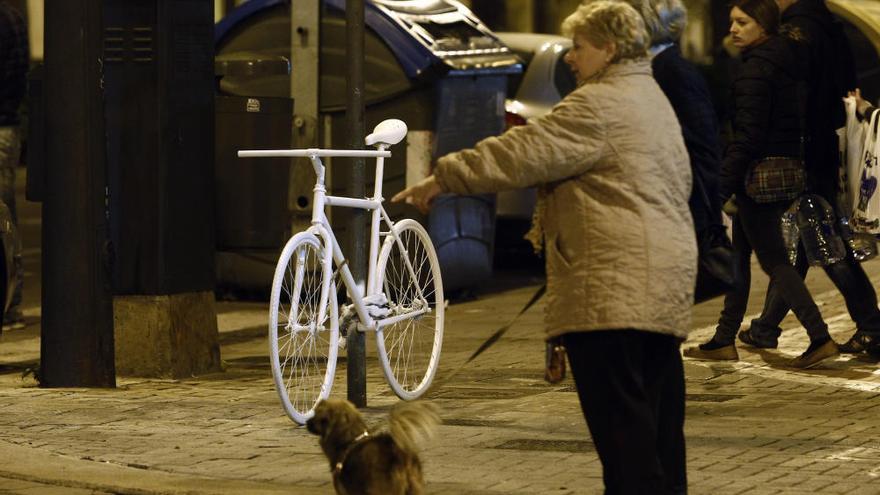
x,y
850,279
757,227
631,388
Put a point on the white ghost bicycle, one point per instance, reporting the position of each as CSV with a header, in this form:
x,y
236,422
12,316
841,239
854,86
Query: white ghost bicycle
x,y
403,303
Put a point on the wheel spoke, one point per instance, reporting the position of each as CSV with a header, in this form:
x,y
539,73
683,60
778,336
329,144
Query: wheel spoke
x,y
303,349
411,346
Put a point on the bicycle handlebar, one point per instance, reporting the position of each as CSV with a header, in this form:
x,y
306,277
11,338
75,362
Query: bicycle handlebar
x,y
310,152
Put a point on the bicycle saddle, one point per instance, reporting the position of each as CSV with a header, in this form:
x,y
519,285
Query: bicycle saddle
x,y
388,132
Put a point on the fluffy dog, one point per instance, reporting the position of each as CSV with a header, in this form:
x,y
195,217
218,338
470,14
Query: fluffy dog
x,y
364,463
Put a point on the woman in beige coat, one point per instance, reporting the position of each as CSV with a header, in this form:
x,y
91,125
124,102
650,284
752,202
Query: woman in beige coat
x,y
619,240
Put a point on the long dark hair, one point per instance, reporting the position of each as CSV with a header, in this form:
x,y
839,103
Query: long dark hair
x,y
764,12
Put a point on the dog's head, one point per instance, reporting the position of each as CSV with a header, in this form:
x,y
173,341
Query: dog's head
x,y
336,421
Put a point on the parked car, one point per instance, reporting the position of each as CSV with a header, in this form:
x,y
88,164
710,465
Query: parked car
x,y
545,80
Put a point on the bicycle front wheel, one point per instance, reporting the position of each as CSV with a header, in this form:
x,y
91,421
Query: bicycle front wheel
x,y
303,345
409,350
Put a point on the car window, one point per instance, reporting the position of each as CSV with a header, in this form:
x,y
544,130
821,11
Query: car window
x,y
563,77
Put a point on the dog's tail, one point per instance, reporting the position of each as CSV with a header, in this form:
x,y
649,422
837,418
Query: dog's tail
x,y
411,423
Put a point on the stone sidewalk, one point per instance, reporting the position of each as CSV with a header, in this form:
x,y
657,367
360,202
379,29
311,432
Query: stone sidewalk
x,y
753,426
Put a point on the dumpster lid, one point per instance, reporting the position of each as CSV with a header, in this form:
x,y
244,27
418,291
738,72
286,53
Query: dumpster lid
x,y
448,30
419,7
424,35
251,64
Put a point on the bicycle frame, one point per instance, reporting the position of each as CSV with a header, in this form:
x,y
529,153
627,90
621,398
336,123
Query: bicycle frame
x,y
320,226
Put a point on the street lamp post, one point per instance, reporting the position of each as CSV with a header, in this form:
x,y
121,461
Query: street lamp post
x,y
354,44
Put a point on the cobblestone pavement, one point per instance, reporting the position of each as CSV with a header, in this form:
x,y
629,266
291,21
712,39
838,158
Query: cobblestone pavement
x,y
752,427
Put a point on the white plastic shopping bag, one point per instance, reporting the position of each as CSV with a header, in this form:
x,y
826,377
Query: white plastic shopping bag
x,y
866,209
852,143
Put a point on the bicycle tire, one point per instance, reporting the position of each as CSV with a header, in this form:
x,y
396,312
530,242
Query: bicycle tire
x,y
302,350
409,350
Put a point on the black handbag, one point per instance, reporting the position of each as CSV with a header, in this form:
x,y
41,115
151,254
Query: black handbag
x,y
775,179
716,262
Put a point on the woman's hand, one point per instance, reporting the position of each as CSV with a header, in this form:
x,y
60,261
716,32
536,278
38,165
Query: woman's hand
x,y
420,195
861,104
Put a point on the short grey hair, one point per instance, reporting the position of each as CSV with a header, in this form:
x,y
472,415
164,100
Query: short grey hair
x,y
665,20
609,21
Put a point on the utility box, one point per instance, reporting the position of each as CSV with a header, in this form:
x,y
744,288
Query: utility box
x,y
158,89
157,130
158,86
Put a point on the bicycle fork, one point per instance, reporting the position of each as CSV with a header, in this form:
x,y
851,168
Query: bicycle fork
x,y
298,278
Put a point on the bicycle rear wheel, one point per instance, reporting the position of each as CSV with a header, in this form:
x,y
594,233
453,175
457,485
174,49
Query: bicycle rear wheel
x,y
409,350
302,349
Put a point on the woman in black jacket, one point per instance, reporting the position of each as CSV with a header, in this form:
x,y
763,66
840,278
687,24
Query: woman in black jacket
x,y
767,122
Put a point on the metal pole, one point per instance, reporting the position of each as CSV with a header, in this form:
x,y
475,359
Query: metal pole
x,y
76,348
305,38
354,108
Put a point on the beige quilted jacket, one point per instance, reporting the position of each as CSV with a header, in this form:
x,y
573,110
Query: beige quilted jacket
x,y
618,233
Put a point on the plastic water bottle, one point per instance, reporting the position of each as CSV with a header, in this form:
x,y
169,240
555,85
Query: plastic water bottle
x,y
791,232
862,246
816,220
